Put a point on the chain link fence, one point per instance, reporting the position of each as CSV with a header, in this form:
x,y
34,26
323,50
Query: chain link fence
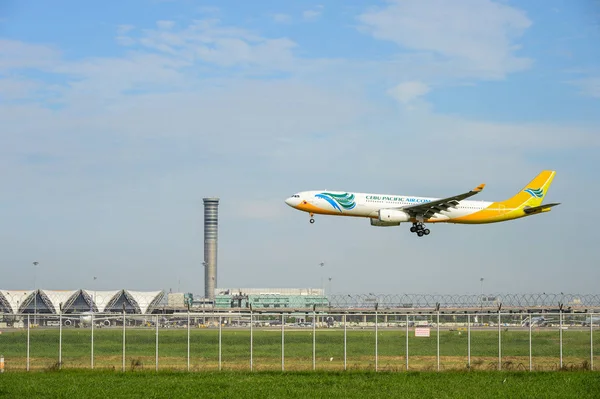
x,y
394,301
371,340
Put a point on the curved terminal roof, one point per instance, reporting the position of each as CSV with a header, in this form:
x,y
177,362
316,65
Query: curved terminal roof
x,y
146,300
49,301
11,301
56,298
102,299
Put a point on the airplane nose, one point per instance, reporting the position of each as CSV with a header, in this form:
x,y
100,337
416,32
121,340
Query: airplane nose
x,y
292,201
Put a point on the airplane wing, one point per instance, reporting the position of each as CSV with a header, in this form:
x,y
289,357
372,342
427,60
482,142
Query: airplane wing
x,y
428,209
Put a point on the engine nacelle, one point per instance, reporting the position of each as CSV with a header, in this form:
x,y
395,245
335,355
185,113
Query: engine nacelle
x,y
67,322
393,215
377,222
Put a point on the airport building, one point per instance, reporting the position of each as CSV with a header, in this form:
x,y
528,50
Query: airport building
x,y
77,301
265,298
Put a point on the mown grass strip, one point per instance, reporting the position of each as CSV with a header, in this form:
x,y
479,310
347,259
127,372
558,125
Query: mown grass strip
x,y
353,384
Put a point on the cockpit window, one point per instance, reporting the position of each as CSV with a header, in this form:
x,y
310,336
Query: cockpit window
x,y
295,196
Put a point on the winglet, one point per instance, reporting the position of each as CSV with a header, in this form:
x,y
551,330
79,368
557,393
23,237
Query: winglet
x,y
479,188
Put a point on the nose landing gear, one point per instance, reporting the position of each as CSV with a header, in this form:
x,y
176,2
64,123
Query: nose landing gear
x,y
420,229
312,220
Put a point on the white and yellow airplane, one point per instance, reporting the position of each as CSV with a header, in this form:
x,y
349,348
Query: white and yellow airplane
x,y
391,210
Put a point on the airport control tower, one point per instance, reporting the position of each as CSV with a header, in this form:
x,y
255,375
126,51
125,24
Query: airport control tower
x,y
211,224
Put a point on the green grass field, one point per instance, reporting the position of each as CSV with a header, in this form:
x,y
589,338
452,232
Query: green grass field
x,y
204,355
352,384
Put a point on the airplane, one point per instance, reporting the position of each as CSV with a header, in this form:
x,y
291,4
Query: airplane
x,y
84,319
591,319
540,321
391,210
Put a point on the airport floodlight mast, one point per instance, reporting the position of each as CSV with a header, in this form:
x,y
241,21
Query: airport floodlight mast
x,y
94,298
321,267
35,292
481,280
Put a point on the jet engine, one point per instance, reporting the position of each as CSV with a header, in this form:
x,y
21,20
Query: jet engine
x,y
67,322
393,215
377,222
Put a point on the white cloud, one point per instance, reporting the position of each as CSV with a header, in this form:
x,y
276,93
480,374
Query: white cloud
x,y
282,18
165,25
17,88
98,79
478,35
210,10
207,40
313,14
123,29
125,41
588,86
16,55
408,91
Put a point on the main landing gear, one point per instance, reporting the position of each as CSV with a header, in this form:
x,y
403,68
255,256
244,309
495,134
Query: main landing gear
x,y
420,229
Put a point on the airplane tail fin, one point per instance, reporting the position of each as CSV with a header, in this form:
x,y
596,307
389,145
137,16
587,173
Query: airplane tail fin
x,y
532,195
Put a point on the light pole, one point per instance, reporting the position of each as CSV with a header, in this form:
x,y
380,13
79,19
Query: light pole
x,y
481,297
329,289
94,298
322,264
35,292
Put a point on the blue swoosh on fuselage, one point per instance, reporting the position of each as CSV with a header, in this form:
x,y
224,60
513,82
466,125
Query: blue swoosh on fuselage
x,y
331,201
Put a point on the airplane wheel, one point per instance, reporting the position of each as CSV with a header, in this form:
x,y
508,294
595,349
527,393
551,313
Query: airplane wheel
x,y
426,232
312,220
420,233
413,229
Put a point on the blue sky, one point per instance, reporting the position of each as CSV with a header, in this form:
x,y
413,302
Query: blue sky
x,y
118,118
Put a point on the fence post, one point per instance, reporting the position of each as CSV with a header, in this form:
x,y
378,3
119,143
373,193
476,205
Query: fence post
x,y
407,342
314,348
28,329
560,335
469,341
156,338
592,341
345,344
251,339
60,336
220,339
438,336
92,342
499,338
376,339
282,342
530,350
123,337
188,339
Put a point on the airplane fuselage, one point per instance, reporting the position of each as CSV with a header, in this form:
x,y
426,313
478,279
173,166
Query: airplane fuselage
x,y
391,210
368,206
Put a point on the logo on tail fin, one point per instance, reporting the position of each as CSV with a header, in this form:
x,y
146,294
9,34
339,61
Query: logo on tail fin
x,y
535,192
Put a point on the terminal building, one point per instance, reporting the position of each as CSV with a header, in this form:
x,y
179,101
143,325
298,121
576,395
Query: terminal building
x,y
265,298
77,301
